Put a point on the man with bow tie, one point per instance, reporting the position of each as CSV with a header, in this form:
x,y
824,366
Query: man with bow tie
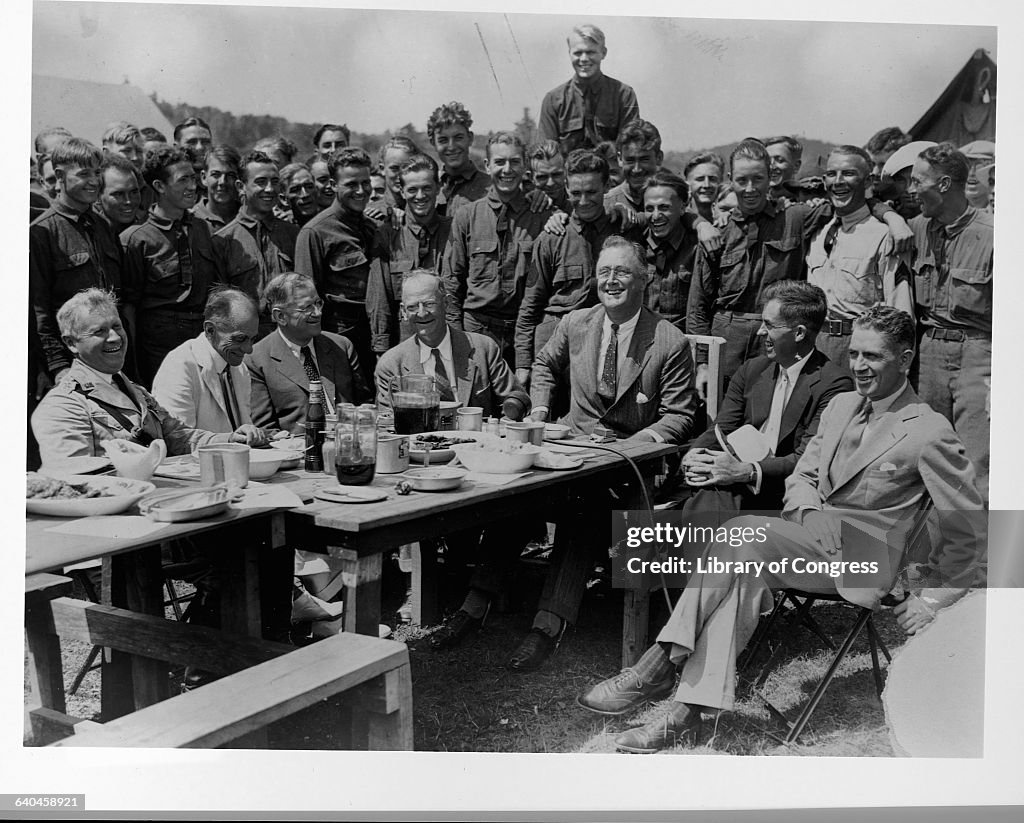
x,y
877,454
203,382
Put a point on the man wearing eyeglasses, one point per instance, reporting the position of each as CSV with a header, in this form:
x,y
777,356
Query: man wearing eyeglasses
x,y
282,363
853,259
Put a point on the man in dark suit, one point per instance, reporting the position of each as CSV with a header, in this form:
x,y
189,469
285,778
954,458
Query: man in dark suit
x,y
626,369
282,363
481,376
877,454
467,367
782,393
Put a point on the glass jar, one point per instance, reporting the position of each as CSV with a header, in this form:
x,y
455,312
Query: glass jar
x,y
355,456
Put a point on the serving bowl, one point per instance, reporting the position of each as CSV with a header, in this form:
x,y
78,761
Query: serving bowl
x,y
555,431
501,458
434,479
264,462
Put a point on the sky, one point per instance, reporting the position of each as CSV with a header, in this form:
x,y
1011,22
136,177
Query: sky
x,y
702,82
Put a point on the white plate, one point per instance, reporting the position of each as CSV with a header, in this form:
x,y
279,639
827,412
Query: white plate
x,y
443,455
124,493
349,494
183,467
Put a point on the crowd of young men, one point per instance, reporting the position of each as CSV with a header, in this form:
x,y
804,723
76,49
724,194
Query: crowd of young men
x,y
545,253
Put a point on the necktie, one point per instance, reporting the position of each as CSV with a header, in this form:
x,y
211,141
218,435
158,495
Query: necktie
x,y
608,386
830,237
423,248
184,258
444,384
773,425
88,224
589,111
122,386
230,398
309,364
502,224
854,435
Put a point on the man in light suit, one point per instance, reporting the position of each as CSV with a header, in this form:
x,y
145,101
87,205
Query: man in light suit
x,y
94,401
203,382
482,378
781,393
627,369
282,363
876,456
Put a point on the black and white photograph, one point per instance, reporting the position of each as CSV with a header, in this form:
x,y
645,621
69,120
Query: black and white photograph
x,y
474,400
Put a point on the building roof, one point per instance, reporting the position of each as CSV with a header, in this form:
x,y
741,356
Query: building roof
x,y
86,108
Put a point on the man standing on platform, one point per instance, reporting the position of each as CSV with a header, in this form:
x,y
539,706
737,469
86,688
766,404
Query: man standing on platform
x,y
591,107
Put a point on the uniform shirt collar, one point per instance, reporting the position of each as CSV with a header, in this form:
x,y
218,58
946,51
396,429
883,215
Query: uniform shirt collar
x,y
516,204
465,175
416,227
855,218
167,225
96,376
957,226
65,210
600,223
674,239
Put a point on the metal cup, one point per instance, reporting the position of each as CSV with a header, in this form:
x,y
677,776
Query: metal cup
x,y
225,463
470,419
392,453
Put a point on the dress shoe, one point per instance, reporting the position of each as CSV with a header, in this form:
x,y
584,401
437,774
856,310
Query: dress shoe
x,y
194,678
624,692
533,651
675,725
456,629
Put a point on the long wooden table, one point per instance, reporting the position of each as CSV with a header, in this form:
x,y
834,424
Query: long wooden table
x,y
355,534
132,579
358,534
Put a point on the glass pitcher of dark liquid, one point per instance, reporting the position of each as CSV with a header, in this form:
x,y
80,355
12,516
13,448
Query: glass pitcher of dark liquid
x,y
355,457
416,401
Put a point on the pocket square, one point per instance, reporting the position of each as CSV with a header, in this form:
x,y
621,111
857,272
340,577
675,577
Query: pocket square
x,y
887,467
642,398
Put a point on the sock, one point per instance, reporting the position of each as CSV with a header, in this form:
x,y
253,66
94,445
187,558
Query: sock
x,y
475,604
654,666
549,623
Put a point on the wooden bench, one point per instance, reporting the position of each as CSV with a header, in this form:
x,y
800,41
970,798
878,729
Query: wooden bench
x,y
366,681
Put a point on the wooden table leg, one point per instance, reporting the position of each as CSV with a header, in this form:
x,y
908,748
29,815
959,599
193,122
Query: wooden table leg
x,y
362,589
636,603
240,591
45,669
424,583
116,699
144,594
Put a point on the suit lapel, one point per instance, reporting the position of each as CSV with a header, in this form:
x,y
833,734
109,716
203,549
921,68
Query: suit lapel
x,y
287,364
325,365
639,353
831,436
208,372
590,357
761,396
465,367
886,432
808,378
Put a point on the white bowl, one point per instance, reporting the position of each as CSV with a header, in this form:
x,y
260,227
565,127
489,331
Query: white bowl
x,y
555,431
264,462
439,479
508,458
122,494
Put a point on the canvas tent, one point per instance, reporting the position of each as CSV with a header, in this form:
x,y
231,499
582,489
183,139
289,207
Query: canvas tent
x,y
966,110
86,108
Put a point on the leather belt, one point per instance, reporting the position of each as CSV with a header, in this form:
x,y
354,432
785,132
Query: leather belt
x,y
837,327
958,335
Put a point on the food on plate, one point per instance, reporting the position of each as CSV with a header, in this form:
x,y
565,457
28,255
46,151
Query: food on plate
x,y
437,441
403,487
553,460
41,487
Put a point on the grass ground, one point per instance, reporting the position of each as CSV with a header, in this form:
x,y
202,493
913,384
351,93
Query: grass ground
x,y
465,700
